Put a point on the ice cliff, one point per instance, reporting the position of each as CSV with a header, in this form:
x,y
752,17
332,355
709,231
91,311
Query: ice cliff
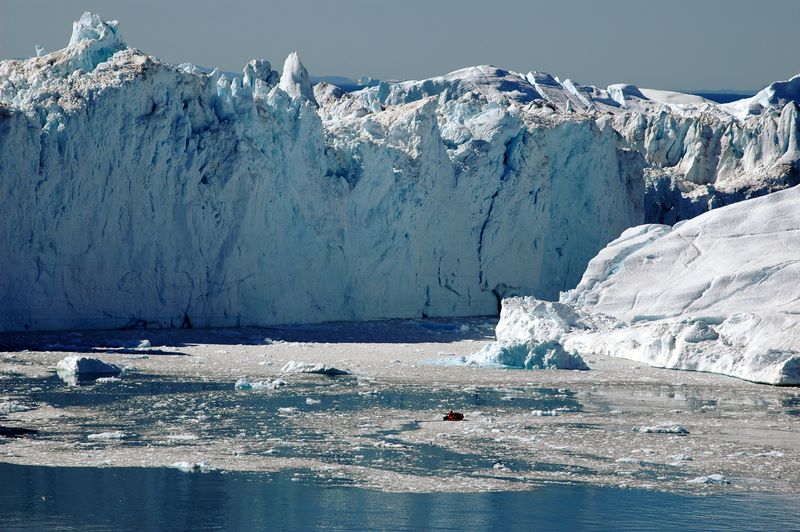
x,y
718,293
140,193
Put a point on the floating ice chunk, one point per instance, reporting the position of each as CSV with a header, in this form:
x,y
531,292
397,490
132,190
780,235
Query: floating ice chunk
x,y
710,479
312,402
107,380
144,344
304,367
115,435
500,466
389,445
191,467
182,437
771,454
244,384
80,365
286,410
529,355
544,413
9,407
40,50
663,428
680,458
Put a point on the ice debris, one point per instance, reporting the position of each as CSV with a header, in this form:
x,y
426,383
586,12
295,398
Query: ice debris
x,y
662,428
9,407
191,467
115,435
528,355
710,479
81,365
304,367
244,384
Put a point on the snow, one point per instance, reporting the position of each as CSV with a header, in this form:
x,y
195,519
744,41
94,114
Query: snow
x,y
82,365
717,293
673,97
277,202
775,96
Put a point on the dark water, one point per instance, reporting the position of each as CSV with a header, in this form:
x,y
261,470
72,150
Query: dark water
x,y
38,498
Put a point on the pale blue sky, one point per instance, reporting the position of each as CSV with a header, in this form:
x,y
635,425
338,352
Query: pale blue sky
x,y
677,44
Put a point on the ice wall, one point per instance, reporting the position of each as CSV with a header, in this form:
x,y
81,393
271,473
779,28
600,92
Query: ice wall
x,y
139,193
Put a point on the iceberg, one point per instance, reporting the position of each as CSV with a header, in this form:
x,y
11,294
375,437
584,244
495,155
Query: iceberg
x,y
259,199
718,293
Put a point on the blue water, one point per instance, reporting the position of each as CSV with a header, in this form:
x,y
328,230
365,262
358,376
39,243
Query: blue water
x,y
39,498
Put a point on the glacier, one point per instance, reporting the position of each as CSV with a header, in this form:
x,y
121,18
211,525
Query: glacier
x,y
718,293
138,193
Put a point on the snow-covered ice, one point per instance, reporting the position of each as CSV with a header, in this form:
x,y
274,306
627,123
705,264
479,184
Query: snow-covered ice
x,y
717,293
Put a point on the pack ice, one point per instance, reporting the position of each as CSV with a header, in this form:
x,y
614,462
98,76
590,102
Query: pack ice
x,y
718,293
140,193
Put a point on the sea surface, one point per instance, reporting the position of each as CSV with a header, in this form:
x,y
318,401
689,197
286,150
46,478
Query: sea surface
x,y
63,498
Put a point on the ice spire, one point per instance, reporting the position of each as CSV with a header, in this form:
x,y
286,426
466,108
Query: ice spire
x,y
91,27
295,81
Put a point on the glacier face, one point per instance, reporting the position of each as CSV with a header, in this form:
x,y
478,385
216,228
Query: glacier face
x,y
140,193
717,293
